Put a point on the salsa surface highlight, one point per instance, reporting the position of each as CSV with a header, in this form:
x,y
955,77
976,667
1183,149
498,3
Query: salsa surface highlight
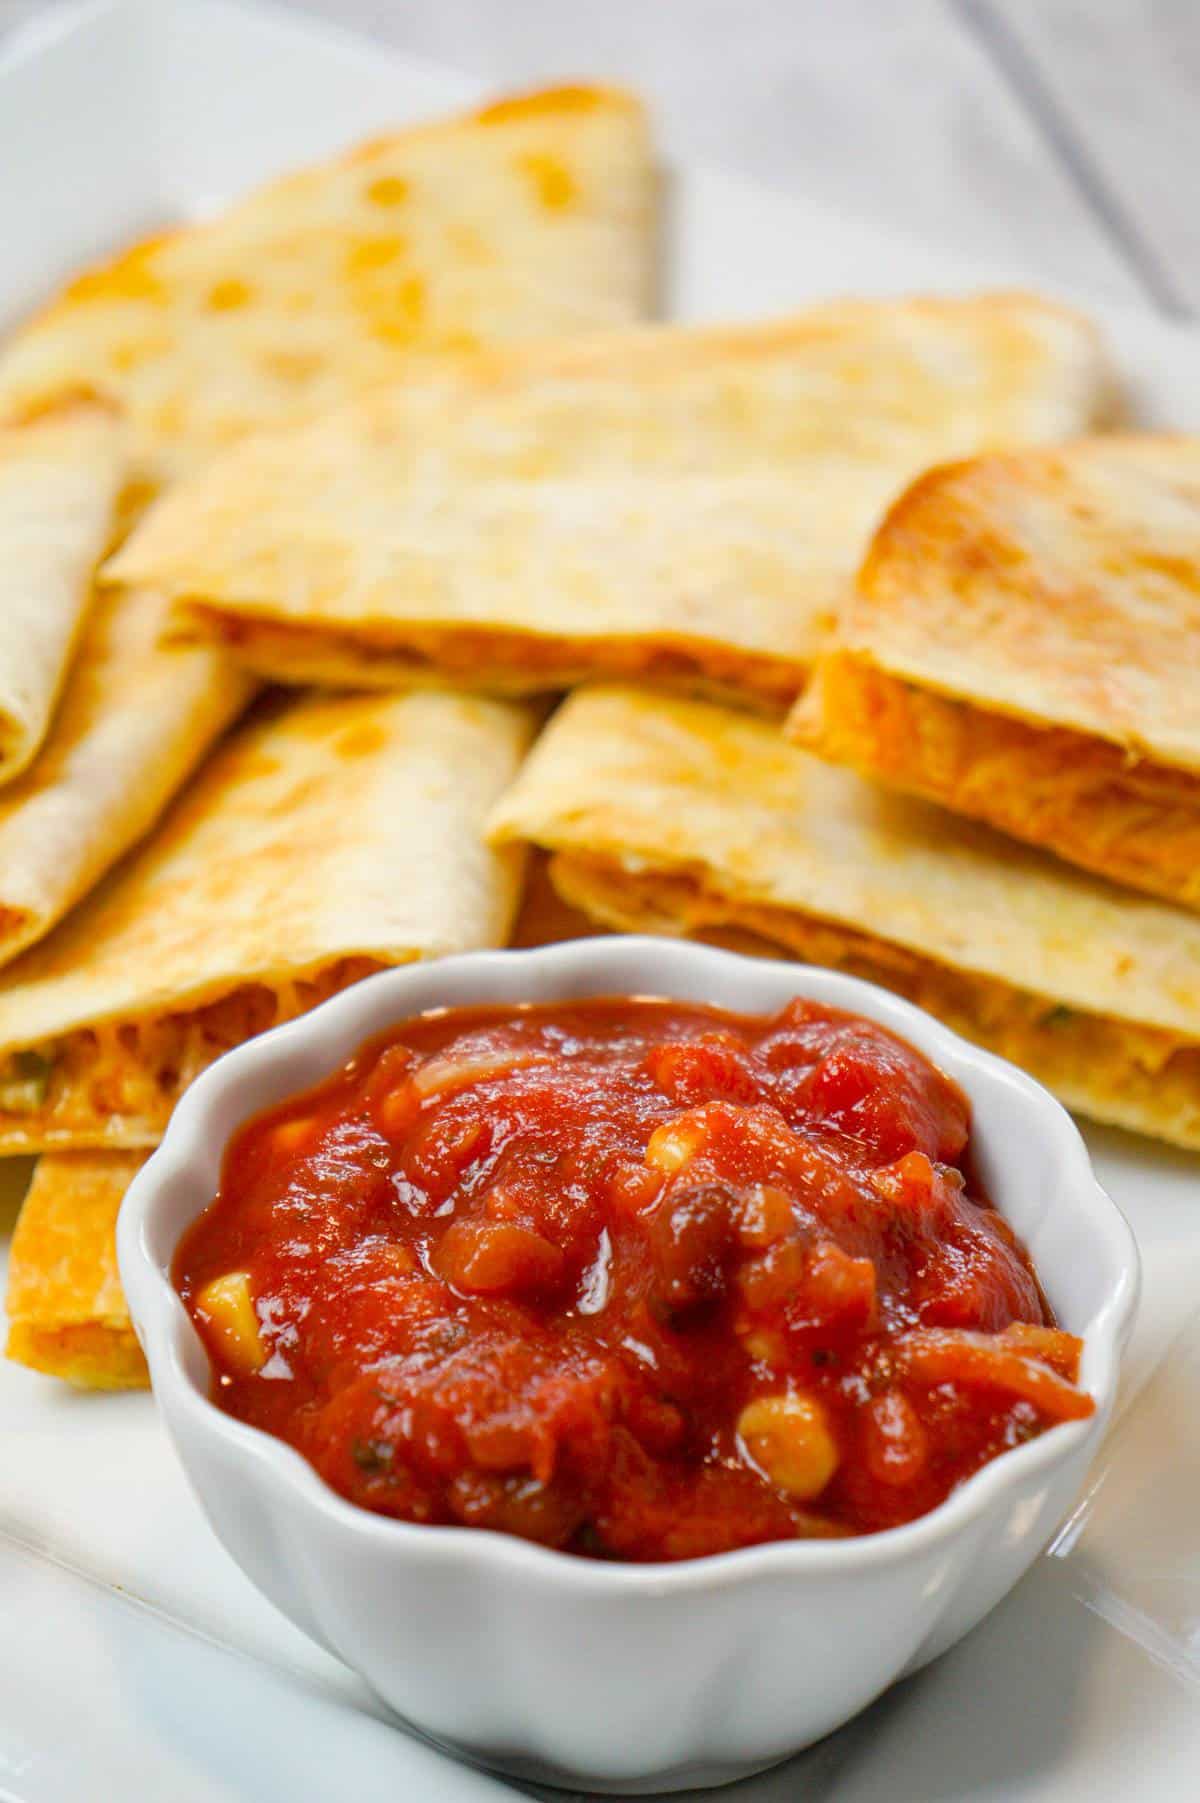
x,y
637,1279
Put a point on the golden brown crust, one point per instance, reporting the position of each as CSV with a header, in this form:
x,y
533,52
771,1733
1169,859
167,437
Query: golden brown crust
x,y
88,1356
1060,587
67,1313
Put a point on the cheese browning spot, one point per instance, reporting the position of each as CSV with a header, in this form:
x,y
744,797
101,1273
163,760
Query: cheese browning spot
x,y
553,182
387,191
372,253
128,279
227,296
532,106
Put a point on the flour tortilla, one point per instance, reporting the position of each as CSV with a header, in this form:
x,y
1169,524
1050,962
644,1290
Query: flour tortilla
x,y
677,505
1023,645
531,216
136,717
326,838
66,1310
61,474
676,816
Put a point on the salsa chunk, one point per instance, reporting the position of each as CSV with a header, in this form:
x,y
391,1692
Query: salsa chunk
x,y
636,1279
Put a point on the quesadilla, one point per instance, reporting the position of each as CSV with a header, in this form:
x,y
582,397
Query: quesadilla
x,y
66,1310
61,473
324,839
674,816
674,504
136,716
1024,646
530,216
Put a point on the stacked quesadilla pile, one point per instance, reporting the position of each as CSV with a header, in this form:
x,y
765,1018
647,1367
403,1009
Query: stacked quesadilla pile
x,y
197,895
879,643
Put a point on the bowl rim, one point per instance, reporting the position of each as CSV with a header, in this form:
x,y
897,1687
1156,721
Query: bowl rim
x,y
369,1007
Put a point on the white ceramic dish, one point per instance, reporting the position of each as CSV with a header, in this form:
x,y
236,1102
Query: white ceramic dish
x,y
627,1677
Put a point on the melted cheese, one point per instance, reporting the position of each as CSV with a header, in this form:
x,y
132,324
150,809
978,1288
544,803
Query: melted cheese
x,y
1138,1077
115,1083
1128,818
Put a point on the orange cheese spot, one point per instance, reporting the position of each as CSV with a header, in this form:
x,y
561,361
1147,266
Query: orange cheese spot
x,y
372,253
553,182
129,278
550,100
398,318
361,741
387,191
224,297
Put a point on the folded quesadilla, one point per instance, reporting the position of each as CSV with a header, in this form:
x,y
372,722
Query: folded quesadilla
x,y
67,1314
61,473
676,816
675,504
325,839
136,717
1024,646
531,216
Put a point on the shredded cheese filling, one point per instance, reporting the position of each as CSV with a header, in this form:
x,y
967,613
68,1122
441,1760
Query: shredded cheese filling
x,y
1140,1077
512,662
1128,818
115,1083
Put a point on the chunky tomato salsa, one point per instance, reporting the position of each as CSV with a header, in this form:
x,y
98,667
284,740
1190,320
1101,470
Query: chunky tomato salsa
x,y
632,1278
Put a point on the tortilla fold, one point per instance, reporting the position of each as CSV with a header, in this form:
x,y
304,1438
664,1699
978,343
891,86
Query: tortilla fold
x,y
679,817
323,840
1023,646
531,216
136,716
61,473
680,505
66,1310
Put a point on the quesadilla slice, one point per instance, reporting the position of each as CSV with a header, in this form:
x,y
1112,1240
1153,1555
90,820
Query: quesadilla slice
x,y
61,473
527,217
323,840
678,505
674,816
136,716
1024,646
67,1314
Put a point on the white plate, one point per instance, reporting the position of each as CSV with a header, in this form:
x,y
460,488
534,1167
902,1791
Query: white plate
x,y
135,1661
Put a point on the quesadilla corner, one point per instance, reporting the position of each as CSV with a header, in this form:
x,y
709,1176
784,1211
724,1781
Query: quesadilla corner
x,y
529,217
675,816
66,1311
1017,648
62,469
134,718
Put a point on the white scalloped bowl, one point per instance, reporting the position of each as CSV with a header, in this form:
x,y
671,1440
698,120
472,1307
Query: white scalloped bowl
x,y
627,1677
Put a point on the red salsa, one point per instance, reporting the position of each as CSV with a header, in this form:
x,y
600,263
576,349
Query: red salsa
x,y
636,1279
